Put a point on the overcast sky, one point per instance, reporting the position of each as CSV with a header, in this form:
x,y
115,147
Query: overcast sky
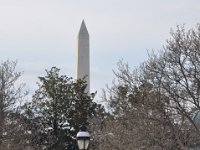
x,y
40,34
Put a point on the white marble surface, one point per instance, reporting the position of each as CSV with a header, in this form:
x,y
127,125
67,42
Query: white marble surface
x,y
83,55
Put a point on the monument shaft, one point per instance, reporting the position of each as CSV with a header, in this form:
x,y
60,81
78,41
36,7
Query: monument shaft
x,y
83,56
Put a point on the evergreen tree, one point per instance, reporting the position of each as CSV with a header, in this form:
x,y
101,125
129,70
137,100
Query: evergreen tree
x,y
59,107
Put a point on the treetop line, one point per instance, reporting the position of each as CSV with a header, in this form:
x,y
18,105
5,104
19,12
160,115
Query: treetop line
x,y
155,106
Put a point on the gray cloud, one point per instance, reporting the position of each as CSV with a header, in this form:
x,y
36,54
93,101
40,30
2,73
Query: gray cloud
x,y
41,34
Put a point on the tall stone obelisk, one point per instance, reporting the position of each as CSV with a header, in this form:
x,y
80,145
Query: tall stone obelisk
x,y
83,56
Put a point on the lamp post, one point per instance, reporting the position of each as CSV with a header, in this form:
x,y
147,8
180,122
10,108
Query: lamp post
x,y
83,138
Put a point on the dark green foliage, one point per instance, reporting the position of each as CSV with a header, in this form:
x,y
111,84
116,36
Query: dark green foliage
x,y
59,107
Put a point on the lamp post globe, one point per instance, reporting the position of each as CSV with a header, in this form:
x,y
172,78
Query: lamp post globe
x,y
83,138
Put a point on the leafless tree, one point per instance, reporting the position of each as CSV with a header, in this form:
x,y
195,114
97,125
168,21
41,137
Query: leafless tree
x,y
153,105
11,95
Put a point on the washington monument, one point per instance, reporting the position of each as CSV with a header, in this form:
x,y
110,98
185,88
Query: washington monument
x,y
83,56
